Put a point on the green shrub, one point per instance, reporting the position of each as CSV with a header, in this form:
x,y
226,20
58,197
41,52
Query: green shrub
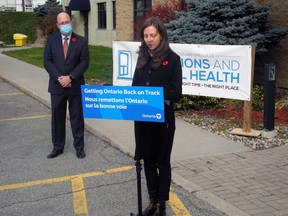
x,y
18,22
258,98
197,102
202,102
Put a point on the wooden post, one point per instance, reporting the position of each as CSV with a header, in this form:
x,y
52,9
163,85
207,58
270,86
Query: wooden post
x,y
248,104
247,116
246,130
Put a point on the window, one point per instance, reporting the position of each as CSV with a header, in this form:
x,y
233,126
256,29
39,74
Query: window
x,y
141,7
102,23
114,15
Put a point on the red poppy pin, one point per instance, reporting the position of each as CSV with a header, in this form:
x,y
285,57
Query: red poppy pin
x,y
165,63
73,40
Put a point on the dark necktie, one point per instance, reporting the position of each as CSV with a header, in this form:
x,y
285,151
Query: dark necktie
x,y
65,46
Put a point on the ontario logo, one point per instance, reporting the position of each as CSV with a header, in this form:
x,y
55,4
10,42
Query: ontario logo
x,y
158,116
125,65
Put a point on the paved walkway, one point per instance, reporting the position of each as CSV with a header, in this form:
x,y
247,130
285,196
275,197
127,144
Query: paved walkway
x,y
231,177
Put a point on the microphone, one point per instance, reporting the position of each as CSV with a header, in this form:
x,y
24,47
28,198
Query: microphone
x,y
151,54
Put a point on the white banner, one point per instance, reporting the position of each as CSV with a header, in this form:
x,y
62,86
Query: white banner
x,y
222,71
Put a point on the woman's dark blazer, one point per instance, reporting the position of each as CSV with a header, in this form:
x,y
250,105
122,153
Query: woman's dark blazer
x,y
169,76
157,138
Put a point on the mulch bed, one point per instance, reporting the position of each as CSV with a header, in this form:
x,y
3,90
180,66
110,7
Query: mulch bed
x,y
281,116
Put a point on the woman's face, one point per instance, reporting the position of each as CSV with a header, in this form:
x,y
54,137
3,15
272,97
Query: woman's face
x,y
152,37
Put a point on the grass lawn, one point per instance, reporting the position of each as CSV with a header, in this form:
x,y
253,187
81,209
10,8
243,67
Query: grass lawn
x,y
100,68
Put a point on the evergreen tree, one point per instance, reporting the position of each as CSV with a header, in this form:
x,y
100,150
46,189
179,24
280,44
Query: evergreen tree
x,y
225,22
42,10
48,12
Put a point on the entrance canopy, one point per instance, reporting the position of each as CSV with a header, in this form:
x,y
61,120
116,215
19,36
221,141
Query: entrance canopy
x,y
79,5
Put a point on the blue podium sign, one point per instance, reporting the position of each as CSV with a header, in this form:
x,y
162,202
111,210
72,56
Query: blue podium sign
x,y
123,103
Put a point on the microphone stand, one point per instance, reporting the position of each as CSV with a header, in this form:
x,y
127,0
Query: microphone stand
x,y
138,171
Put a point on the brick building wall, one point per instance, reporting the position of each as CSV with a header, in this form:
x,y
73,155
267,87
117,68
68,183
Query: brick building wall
x,y
155,2
124,20
278,55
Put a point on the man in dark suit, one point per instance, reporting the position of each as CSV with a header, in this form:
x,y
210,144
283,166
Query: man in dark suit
x,y
66,58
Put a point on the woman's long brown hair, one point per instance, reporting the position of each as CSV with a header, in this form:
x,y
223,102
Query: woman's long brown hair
x,y
160,53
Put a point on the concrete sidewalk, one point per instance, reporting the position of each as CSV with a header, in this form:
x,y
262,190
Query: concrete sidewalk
x,y
231,177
